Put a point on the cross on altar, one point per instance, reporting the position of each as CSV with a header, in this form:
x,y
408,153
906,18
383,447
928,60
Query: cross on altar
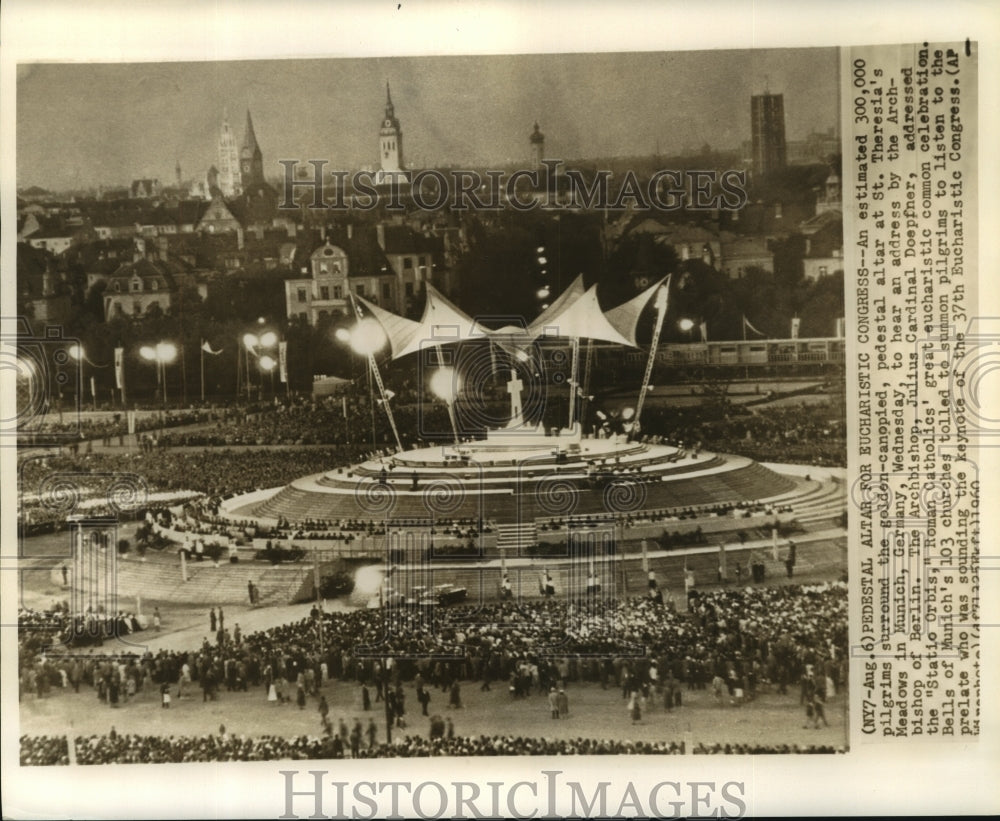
x,y
514,389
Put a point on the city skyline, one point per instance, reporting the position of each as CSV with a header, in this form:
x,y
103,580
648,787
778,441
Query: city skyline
x,y
84,125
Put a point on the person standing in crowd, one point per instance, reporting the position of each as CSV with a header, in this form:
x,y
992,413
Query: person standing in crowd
x,y
450,731
562,702
157,621
213,623
423,697
372,733
356,734
790,559
553,703
185,679
818,712
634,707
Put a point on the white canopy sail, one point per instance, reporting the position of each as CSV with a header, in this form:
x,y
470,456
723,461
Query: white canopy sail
x,y
580,318
441,324
625,317
399,330
576,313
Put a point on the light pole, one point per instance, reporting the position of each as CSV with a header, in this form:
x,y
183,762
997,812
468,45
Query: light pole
x,y
255,345
76,352
161,354
268,364
367,338
445,385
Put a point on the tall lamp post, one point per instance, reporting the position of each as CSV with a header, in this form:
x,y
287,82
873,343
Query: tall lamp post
x,y
445,385
161,354
256,344
367,338
267,365
77,353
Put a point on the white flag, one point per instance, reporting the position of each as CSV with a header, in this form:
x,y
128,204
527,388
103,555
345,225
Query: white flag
x,y
119,368
283,361
795,327
207,348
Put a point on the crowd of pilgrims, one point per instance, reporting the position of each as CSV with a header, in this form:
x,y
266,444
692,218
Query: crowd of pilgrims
x,y
730,640
807,433
217,473
148,749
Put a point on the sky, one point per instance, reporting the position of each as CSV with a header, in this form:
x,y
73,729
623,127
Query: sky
x,y
84,124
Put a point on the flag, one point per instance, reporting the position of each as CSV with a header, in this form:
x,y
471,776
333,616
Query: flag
x,y
93,388
703,327
795,327
746,325
283,361
131,422
343,405
119,368
207,348
839,330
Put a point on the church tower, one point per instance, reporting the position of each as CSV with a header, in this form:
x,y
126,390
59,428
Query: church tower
x,y
251,158
390,139
229,160
537,140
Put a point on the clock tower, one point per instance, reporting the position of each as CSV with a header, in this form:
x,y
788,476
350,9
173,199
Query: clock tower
x,y
251,158
390,139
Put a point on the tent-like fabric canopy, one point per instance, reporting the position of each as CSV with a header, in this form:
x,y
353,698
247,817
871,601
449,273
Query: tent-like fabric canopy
x,y
575,313
580,318
625,317
400,330
441,324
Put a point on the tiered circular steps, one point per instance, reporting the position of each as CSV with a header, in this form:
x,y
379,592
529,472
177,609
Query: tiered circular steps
x,y
519,487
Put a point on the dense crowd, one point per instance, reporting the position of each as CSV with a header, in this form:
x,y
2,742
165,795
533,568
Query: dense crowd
x,y
111,427
341,420
807,433
804,434
149,749
729,639
218,473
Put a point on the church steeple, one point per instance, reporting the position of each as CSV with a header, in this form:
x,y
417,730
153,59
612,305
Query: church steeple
x,y
537,140
390,138
251,157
